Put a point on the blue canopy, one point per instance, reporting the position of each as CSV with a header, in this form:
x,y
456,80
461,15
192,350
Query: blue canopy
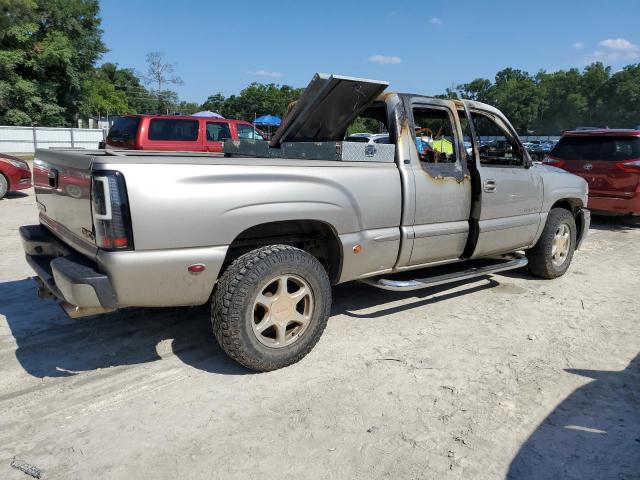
x,y
269,120
208,114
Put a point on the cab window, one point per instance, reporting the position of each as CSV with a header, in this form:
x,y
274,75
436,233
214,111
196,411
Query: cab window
x,y
434,137
498,147
218,131
372,121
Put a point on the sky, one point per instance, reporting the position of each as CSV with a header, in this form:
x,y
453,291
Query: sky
x,y
419,46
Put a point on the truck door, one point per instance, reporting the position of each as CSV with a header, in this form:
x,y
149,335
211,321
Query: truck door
x,y
215,135
442,182
510,201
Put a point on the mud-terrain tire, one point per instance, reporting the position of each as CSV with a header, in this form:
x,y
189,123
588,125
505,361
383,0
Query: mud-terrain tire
x,y
4,186
551,256
278,284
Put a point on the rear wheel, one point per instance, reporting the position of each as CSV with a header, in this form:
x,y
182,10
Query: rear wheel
x,y
271,306
4,186
551,256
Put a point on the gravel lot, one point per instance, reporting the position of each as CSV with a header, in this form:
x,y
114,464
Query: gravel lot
x,y
504,377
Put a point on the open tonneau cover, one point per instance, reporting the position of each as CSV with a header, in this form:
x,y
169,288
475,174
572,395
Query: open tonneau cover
x,y
327,107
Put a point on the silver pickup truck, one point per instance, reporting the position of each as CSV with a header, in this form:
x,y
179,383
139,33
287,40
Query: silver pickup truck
x,y
263,238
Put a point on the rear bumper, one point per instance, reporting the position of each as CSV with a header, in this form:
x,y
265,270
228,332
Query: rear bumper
x,y
622,206
67,275
156,278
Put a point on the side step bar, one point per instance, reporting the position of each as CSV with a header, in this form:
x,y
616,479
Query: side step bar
x,y
502,264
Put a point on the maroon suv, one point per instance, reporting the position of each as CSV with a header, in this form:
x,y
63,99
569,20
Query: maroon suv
x,y
609,160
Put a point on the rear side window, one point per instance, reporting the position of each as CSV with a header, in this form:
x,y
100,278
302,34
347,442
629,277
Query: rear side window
x,y
124,129
218,131
614,149
247,132
170,129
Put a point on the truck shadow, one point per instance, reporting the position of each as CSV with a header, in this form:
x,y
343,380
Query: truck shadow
x,y
593,434
14,195
51,345
614,224
349,298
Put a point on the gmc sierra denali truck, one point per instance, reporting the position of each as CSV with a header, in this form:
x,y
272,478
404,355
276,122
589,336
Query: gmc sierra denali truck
x,y
263,238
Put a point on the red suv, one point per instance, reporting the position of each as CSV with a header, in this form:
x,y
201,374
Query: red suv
x,y
609,160
177,133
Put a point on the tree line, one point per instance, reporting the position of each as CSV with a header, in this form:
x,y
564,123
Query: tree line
x,y
548,103
49,50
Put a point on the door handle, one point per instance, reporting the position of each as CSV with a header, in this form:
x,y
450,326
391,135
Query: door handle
x,y
490,186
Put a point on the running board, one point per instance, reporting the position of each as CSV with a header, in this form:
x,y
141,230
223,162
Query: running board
x,y
503,263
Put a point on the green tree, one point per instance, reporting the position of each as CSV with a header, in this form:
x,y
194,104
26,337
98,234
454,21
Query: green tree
x,y
188,108
624,97
549,103
563,103
515,93
125,80
214,103
479,90
595,79
364,125
256,99
100,97
47,48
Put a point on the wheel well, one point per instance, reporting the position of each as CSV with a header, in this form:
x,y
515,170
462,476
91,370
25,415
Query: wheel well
x,y
313,236
573,205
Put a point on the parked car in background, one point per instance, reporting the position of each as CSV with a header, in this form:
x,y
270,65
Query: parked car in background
x,y
609,160
177,133
368,138
14,174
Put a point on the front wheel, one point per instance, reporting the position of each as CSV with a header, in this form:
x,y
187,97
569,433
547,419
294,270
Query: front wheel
x,y
551,256
271,306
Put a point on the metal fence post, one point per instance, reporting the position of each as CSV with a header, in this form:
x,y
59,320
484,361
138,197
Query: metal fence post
x,y
35,140
71,132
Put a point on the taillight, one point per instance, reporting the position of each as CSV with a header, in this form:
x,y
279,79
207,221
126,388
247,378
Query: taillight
x,y
554,162
111,215
629,167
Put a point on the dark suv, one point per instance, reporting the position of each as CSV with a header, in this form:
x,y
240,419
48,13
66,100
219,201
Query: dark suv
x,y
609,160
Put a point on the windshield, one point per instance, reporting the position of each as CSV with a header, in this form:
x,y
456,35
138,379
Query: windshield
x,y
124,129
613,149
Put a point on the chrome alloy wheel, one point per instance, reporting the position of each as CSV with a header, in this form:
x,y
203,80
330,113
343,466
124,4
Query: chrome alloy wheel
x,y
282,311
561,245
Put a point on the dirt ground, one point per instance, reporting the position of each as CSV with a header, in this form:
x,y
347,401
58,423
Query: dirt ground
x,y
504,377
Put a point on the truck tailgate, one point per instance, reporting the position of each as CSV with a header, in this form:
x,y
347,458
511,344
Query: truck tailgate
x,y
62,181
